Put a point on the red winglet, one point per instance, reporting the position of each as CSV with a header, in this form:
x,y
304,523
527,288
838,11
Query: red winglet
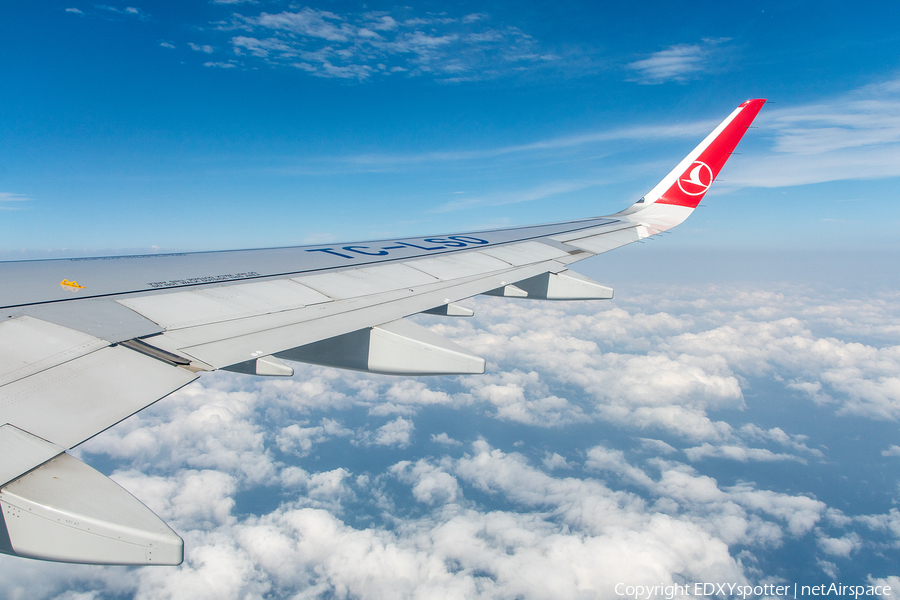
x,y
709,157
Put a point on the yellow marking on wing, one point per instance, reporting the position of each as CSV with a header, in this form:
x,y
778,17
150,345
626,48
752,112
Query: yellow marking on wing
x,y
71,285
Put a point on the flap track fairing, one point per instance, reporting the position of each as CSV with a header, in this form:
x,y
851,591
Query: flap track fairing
x,y
65,511
397,348
566,285
266,366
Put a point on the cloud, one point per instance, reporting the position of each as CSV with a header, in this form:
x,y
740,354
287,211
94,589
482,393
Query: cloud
x,y
540,192
430,484
300,488
852,136
894,450
739,453
848,137
679,62
128,11
74,11
443,438
10,197
300,440
363,46
205,48
546,147
892,582
396,433
553,461
840,546
9,201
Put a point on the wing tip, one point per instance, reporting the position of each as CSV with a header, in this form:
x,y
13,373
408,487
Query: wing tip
x,y
753,102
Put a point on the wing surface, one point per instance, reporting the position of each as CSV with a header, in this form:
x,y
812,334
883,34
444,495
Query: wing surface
x,y
89,342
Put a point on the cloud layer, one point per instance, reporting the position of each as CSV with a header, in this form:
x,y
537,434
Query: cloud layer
x,y
340,484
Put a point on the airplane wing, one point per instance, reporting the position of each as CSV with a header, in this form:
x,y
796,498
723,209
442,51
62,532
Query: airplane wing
x,y
87,342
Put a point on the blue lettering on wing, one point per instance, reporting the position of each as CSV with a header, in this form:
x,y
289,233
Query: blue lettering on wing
x,y
450,243
422,247
436,243
329,251
468,239
358,251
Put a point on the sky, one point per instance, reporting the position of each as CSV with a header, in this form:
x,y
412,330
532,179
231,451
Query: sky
x,y
730,416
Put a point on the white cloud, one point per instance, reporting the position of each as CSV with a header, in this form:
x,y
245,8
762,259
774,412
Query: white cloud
x,y
545,190
553,461
840,546
396,433
130,11
443,438
431,485
260,48
893,450
549,146
657,446
12,200
362,46
892,582
205,48
679,62
543,518
10,197
851,136
740,453
75,11
300,440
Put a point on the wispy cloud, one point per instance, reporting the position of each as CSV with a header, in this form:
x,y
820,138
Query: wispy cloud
x,y
642,132
74,11
540,192
128,11
205,48
679,63
10,201
361,46
852,136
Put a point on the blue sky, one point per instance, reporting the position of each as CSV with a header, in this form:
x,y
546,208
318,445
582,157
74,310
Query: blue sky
x,y
731,416
218,125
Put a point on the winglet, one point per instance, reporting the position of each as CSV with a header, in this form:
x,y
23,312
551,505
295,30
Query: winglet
x,y
687,183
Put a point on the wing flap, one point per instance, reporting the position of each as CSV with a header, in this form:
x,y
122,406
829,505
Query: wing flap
x,y
524,254
459,265
75,400
178,310
22,452
368,280
31,345
272,334
604,242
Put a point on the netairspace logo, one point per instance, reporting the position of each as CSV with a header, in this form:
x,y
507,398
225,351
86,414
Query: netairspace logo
x,y
735,590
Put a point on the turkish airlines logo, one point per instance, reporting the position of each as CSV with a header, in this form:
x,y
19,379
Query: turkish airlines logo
x,y
699,178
